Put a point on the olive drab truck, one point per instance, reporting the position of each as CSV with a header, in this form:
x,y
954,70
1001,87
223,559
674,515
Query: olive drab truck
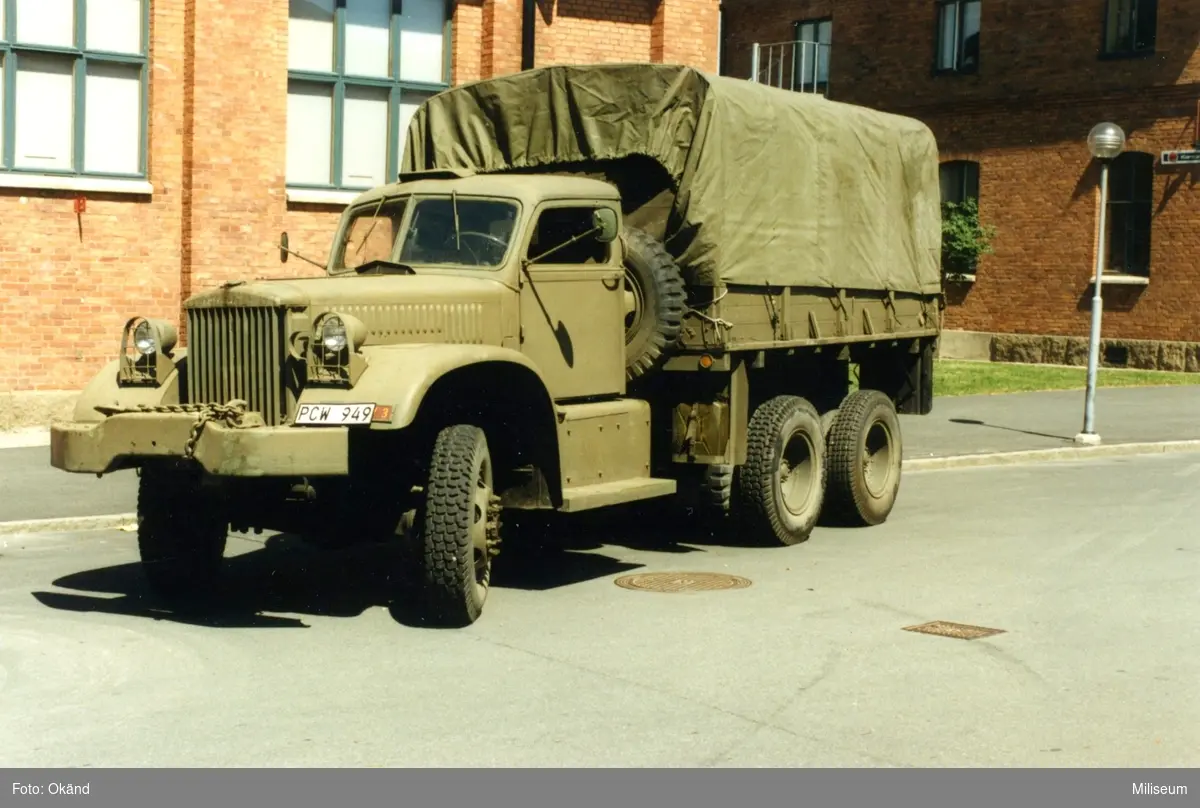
x,y
589,286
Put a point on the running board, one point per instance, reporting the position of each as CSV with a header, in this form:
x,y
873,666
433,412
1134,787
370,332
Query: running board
x,y
586,497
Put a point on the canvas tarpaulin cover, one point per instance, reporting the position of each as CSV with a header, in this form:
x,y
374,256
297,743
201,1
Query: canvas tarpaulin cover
x,y
772,186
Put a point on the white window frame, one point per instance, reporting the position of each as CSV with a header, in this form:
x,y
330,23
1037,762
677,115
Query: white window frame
x,y
338,81
77,177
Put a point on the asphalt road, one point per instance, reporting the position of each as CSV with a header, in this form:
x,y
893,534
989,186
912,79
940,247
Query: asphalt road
x,y
30,488
1090,569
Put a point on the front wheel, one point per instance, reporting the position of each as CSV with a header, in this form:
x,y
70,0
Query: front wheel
x,y
182,531
460,528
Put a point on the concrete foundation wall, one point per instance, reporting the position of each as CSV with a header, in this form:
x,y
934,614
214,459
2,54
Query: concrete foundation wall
x,y
1036,349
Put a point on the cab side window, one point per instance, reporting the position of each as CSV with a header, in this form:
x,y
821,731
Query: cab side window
x,y
557,226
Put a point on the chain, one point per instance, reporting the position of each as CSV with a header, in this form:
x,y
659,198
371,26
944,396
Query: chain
x,y
230,414
175,409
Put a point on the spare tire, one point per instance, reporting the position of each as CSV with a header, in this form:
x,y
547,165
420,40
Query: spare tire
x,y
655,302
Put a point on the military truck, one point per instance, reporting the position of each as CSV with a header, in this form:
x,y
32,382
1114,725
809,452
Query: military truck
x,y
590,285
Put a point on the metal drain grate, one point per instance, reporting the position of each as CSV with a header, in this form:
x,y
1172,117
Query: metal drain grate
x,y
960,631
673,582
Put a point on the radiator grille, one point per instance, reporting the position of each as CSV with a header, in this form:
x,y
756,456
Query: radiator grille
x,y
239,352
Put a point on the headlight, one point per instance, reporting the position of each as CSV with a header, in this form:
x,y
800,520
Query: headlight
x,y
144,338
333,334
150,360
150,336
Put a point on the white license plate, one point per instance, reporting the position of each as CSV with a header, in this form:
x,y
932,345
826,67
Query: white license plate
x,y
334,414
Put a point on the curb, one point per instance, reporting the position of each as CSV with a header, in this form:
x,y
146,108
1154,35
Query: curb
x,y
25,438
1043,455
66,524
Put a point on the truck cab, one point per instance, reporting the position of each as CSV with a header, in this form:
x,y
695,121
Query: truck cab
x,y
467,331
548,241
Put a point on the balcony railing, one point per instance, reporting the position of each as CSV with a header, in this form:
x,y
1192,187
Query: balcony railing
x,y
800,66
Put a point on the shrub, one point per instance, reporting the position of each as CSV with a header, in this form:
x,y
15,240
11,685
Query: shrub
x,y
964,239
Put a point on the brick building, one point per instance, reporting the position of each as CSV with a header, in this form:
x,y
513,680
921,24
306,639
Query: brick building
x,y
152,148
1011,89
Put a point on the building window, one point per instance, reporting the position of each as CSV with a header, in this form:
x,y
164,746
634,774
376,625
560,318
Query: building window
x,y
73,87
810,56
357,71
958,36
960,215
960,181
1130,210
1130,27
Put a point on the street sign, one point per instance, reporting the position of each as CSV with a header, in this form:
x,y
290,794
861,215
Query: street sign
x,y
1176,158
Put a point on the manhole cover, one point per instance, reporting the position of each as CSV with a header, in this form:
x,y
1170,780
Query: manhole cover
x,y
682,582
961,631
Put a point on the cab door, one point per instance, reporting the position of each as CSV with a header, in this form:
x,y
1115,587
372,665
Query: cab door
x,y
573,304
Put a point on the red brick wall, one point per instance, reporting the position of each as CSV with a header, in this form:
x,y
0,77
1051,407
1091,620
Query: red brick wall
x,y
583,31
1027,46
1043,201
501,31
67,283
467,49
597,31
237,144
1024,118
685,33
218,120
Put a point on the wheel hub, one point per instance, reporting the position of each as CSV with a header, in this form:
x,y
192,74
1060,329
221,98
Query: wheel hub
x,y
877,459
796,474
485,530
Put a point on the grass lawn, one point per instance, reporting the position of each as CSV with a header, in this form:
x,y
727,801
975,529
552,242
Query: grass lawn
x,y
951,378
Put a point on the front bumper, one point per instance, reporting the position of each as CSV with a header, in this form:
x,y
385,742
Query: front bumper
x,y
121,440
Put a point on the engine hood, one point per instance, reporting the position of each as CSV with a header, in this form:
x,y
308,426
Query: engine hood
x,y
394,308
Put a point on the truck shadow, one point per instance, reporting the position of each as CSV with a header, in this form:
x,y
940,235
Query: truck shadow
x,y
284,577
289,576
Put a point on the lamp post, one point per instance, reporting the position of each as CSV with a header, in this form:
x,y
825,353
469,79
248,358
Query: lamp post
x,y
1105,142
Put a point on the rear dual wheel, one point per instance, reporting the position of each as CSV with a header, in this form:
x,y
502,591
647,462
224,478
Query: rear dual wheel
x,y
781,488
841,468
864,459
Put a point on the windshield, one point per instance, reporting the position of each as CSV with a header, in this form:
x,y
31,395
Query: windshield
x,y
462,231
370,237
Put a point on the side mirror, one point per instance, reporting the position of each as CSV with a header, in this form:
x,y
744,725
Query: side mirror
x,y
605,222
283,248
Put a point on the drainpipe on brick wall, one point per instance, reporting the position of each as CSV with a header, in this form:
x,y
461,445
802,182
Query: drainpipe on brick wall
x,y
528,15
720,39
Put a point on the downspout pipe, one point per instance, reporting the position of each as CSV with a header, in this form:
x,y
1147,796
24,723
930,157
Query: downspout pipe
x,y
528,16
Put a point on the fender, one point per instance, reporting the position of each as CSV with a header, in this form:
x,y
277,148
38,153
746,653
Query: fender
x,y
408,379
104,391
400,376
